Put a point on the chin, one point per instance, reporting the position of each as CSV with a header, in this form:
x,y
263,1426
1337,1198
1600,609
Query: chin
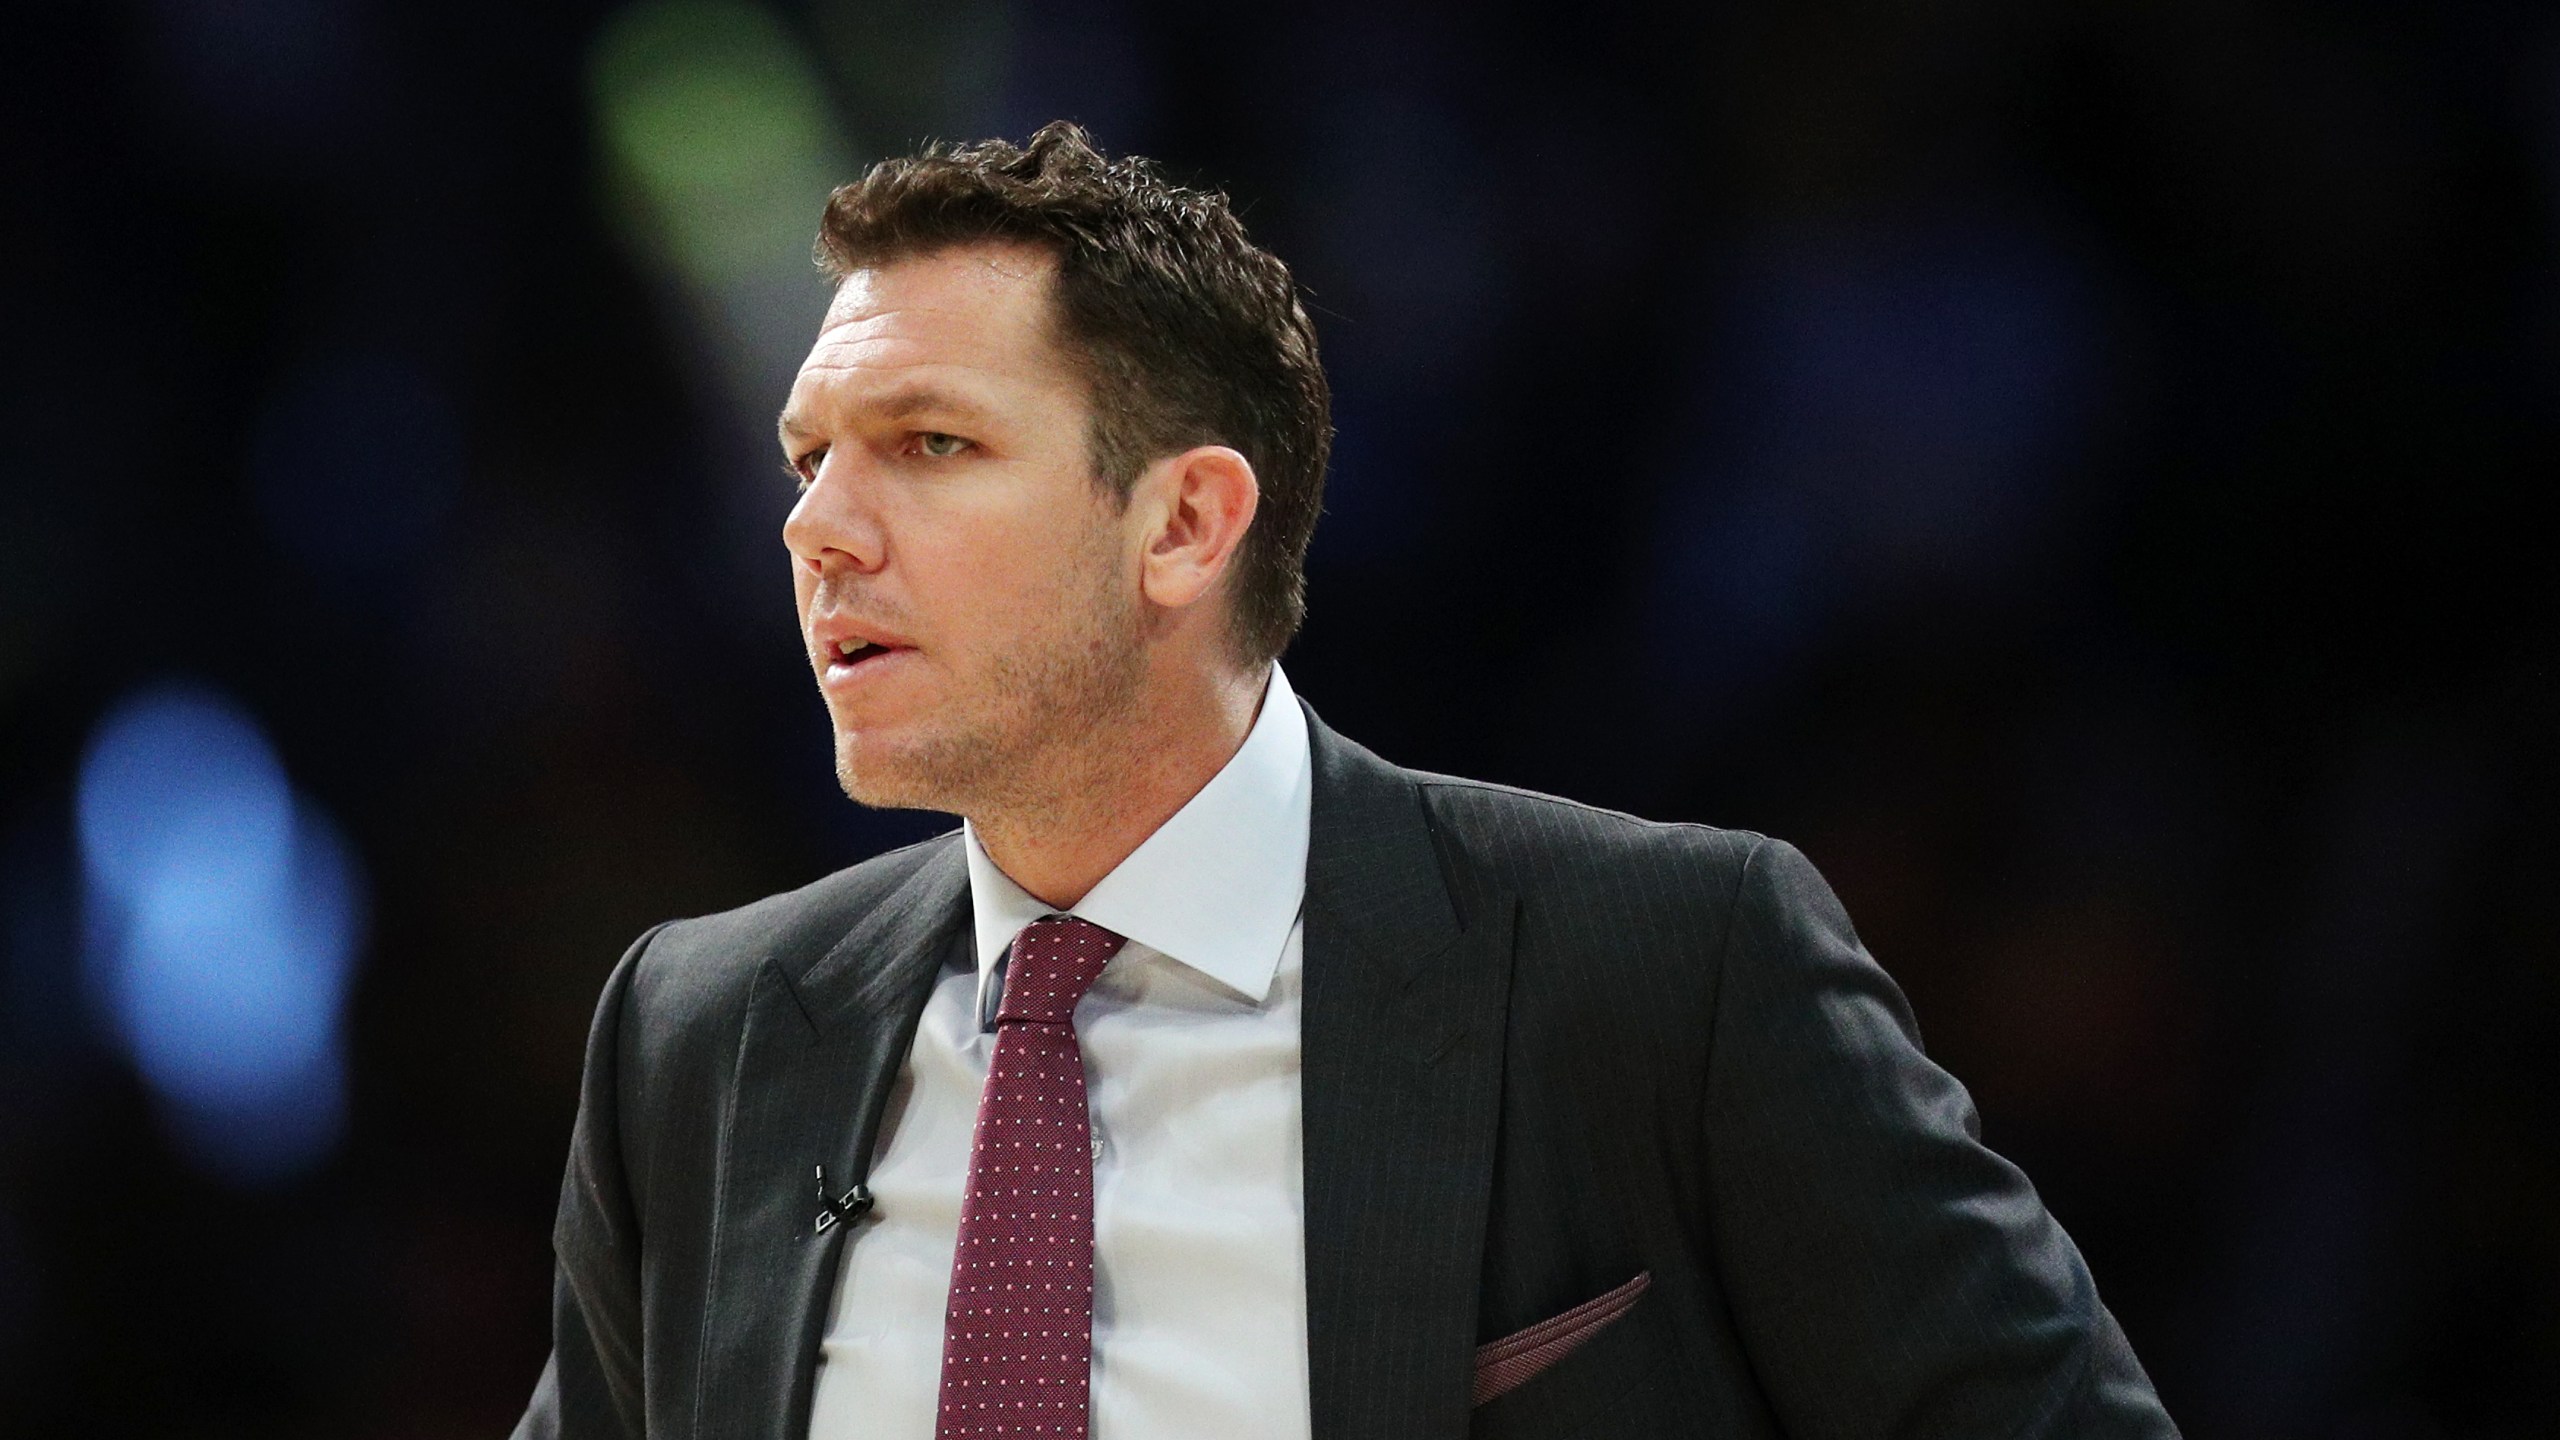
x,y
887,777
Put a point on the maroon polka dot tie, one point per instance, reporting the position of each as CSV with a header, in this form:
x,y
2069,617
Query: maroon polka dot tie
x,y
1017,1338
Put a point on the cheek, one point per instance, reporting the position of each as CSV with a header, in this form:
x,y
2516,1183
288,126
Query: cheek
x,y
991,569
997,579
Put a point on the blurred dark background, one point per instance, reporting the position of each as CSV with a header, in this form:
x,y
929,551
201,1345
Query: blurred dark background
x,y
2067,467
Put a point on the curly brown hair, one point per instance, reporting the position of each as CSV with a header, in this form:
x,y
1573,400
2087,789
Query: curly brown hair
x,y
1188,333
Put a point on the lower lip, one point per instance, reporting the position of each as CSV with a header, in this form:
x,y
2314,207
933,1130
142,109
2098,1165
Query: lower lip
x,y
845,675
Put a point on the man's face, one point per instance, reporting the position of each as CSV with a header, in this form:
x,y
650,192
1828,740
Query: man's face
x,y
967,594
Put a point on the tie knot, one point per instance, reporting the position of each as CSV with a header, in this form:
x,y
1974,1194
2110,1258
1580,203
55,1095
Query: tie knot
x,y
1055,960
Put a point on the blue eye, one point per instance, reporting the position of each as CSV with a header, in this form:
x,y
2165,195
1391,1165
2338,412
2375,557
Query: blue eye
x,y
939,445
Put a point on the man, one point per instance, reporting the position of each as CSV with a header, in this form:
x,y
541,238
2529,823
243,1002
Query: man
x,y
1218,1078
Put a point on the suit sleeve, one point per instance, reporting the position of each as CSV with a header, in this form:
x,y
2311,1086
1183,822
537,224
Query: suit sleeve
x,y
1888,1273
591,1387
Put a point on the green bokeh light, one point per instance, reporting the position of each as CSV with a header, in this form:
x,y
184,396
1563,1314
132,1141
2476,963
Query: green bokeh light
x,y
720,133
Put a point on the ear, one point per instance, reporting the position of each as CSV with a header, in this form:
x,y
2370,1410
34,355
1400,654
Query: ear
x,y
1200,503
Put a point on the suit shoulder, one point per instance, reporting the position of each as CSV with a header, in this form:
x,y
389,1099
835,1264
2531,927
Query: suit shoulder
x,y
704,959
1575,865
1507,826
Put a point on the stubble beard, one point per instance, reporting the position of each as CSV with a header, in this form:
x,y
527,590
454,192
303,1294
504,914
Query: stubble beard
x,y
1031,741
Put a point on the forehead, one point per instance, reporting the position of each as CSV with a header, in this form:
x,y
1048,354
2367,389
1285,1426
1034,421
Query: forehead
x,y
971,314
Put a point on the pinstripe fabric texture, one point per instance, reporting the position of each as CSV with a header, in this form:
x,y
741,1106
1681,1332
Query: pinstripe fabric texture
x,y
1508,1363
1545,1048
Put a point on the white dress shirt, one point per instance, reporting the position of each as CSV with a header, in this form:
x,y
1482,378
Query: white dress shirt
x,y
1190,1044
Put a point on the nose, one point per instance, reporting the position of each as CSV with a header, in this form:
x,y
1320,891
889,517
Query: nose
x,y
834,523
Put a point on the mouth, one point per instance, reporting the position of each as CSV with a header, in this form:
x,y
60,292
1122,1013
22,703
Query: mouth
x,y
849,659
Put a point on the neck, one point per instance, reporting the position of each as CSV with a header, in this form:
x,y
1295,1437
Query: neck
x,y
1116,789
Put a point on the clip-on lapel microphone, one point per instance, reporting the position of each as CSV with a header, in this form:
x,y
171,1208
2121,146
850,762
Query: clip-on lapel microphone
x,y
848,1207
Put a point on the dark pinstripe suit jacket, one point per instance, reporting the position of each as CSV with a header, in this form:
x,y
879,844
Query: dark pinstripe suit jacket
x,y
1547,1049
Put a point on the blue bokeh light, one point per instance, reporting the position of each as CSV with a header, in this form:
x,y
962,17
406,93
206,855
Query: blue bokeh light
x,y
223,915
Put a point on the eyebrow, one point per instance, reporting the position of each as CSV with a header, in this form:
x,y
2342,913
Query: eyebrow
x,y
898,404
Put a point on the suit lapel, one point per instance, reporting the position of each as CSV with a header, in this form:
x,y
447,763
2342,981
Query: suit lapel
x,y
816,1062
1401,1043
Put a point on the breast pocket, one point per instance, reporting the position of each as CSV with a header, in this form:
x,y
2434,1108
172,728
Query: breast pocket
x,y
1589,1368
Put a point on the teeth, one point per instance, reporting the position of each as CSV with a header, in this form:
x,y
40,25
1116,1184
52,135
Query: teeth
x,y
847,648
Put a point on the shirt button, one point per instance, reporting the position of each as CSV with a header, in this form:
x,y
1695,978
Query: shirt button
x,y
1097,1144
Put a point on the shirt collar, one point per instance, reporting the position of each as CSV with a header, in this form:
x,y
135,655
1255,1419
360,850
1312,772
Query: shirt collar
x,y
1217,887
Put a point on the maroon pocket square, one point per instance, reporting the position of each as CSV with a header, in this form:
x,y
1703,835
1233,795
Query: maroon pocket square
x,y
1504,1364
